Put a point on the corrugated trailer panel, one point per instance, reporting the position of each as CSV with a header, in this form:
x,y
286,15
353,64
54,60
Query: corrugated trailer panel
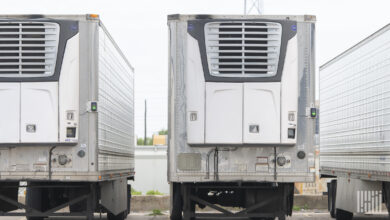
x,y
116,108
355,110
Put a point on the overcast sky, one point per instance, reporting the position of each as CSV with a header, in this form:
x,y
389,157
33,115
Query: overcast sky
x,y
139,28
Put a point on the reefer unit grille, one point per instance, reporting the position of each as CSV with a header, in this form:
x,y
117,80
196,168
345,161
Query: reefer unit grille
x,y
243,48
28,49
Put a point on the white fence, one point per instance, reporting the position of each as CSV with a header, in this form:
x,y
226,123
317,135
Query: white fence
x,y
151,169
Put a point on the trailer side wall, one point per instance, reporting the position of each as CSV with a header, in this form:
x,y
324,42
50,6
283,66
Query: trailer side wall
x,y
116,108
355,110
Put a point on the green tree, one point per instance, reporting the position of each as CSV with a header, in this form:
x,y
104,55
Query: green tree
x,y
163,132
140,141
149,141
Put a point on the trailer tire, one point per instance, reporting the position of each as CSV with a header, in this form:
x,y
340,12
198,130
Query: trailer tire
x,y
262,218
120,216
128,200
177,203
332,189
386,196
343,215
329,188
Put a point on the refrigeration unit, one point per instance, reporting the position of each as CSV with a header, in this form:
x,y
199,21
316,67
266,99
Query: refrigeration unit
x,y
241,112
66,118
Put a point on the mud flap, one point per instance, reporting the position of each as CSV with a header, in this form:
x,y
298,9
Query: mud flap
x,y
114,195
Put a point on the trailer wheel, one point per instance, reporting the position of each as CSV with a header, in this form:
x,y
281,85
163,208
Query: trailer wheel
x,y
329,188
120,216
128,199
386,195
177,203
332,189
262,218
343,215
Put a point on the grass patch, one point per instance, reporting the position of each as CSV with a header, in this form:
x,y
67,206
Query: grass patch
x,y
135,192
156,212
296,208
154,193
299,208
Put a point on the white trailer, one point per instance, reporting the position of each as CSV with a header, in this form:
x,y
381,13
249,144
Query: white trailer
x,y
66,117
355,127
241,113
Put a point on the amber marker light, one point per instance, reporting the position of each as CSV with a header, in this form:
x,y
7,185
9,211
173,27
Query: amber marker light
x,y
93,15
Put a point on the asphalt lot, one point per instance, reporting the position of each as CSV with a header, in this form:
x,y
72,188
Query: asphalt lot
x,y
308,215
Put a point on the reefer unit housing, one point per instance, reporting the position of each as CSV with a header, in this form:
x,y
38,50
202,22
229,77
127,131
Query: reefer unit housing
x,y
241,98
67,101
355,125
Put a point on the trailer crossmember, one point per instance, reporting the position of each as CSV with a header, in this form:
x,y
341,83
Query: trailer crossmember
x,y
228,214
33,212
190,198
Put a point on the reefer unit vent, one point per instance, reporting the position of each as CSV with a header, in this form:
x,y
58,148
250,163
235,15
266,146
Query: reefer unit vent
x,y
28,49
246,49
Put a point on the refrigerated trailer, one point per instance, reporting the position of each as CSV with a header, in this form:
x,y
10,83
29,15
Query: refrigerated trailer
x,y
66,117
355,127
241,113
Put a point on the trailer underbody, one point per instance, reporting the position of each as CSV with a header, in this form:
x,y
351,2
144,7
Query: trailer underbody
x,y
250,199
50,199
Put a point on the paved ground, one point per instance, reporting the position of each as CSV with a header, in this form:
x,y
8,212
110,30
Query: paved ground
x,y
309,215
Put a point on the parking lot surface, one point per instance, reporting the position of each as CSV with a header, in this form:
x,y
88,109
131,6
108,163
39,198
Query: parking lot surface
x,y
308,215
